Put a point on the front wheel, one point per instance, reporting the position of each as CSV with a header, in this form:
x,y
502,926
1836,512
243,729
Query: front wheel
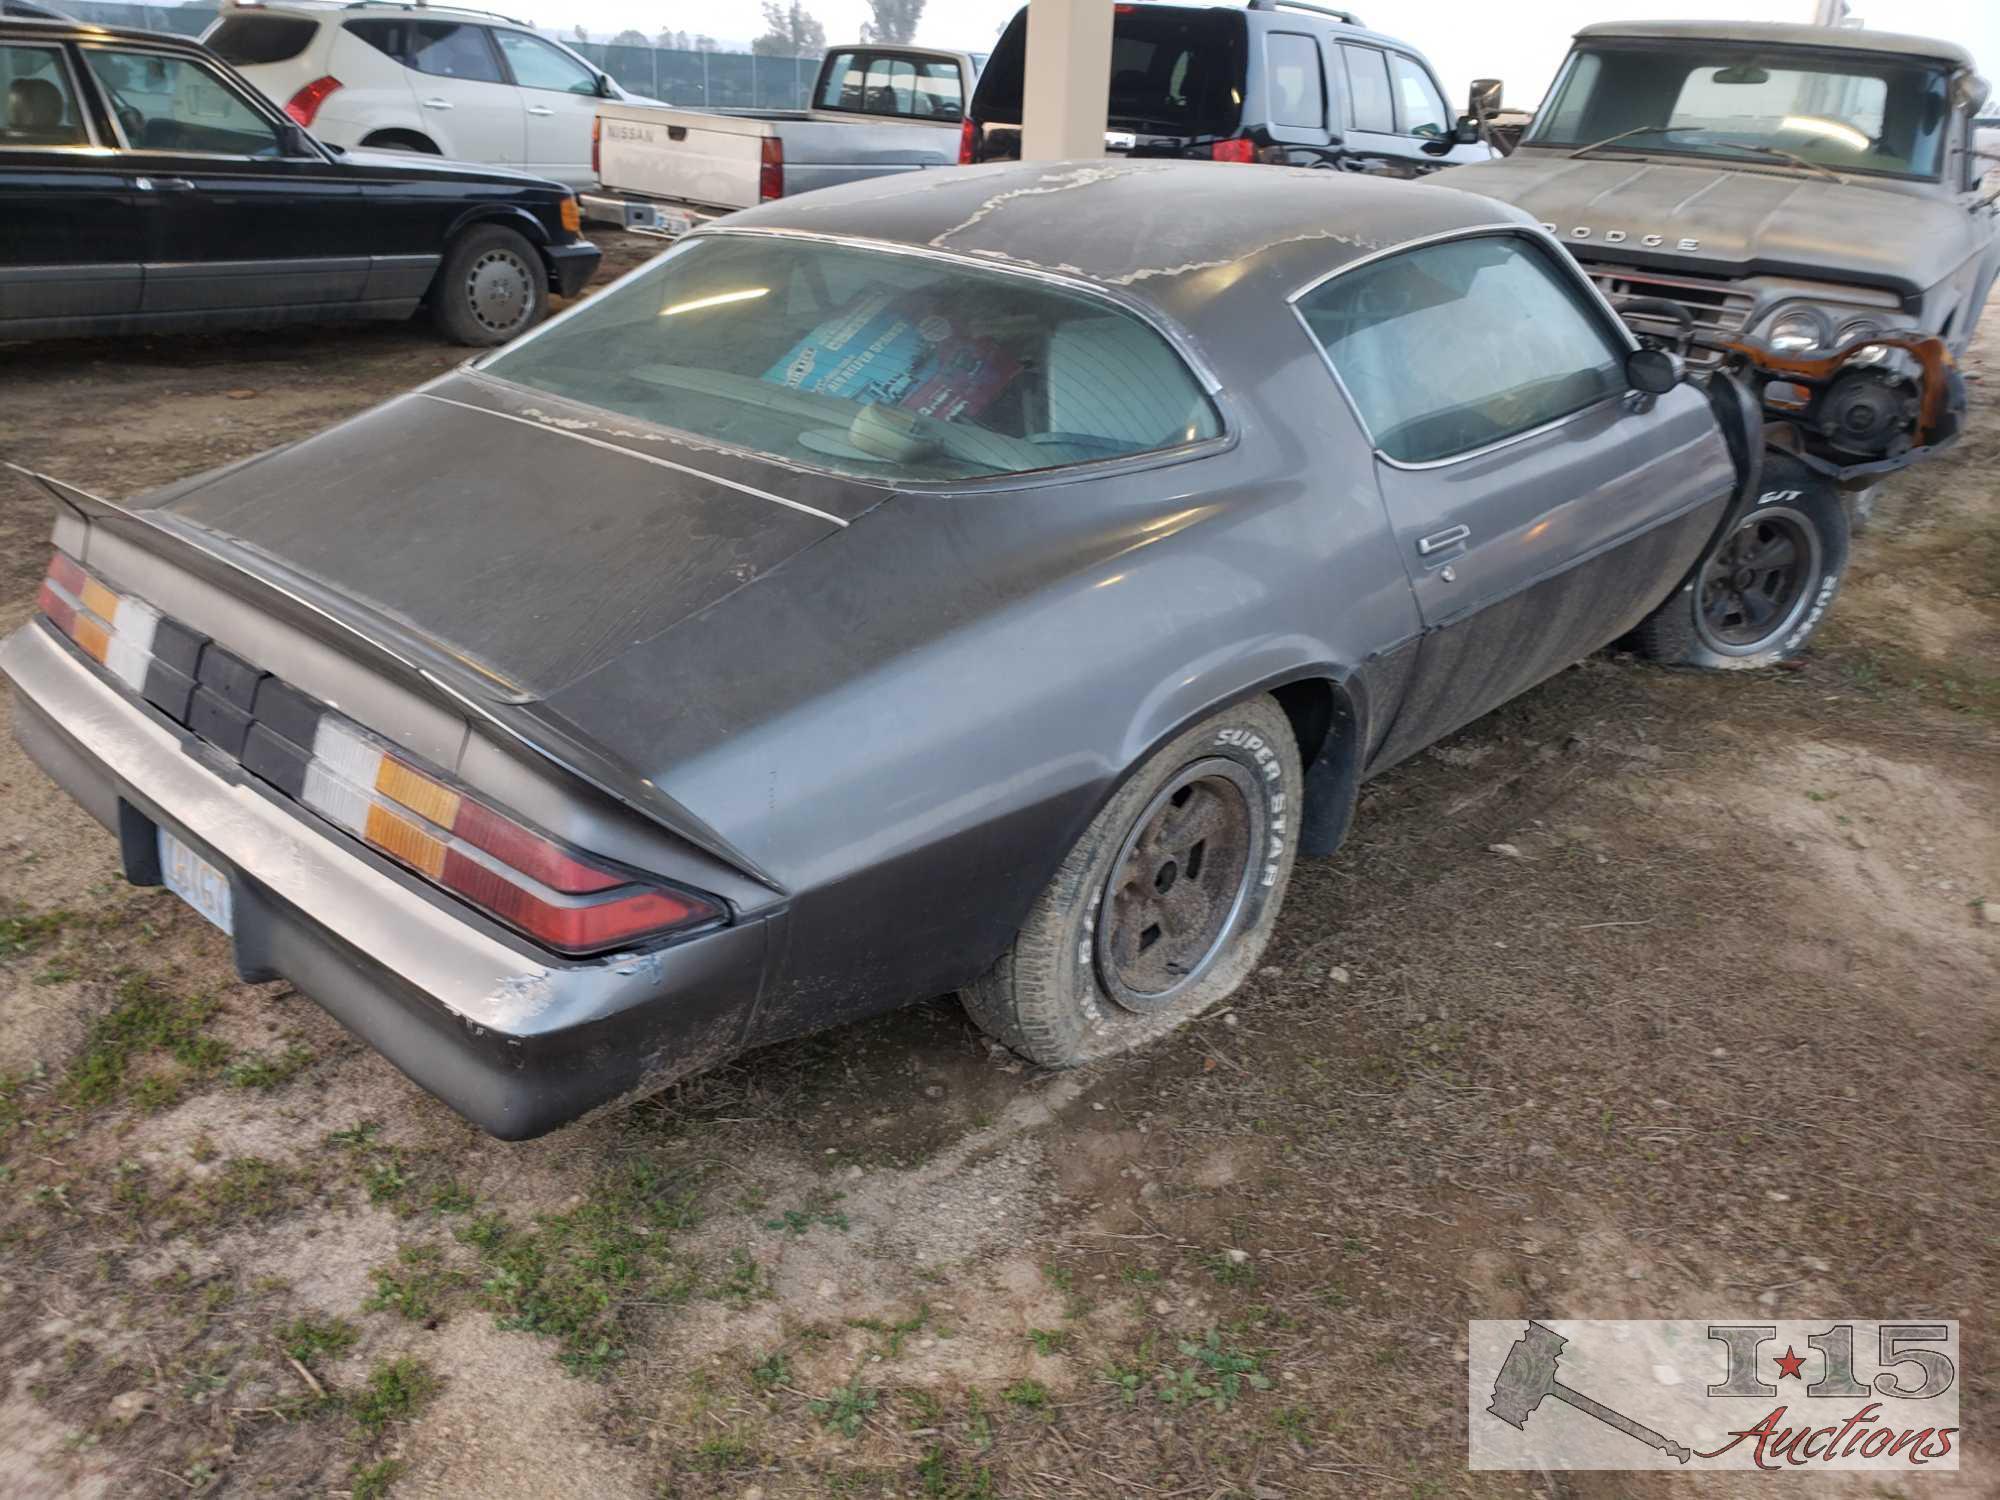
x,y
1165,903
1762,590
492,286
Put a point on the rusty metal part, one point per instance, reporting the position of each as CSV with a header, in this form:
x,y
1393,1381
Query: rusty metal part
x,y
1928,350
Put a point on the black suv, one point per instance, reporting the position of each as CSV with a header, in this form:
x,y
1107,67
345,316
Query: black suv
x,y
146,187
1280,82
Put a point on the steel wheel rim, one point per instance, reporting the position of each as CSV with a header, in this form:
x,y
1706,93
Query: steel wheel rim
x,y
1178,888
1758,585
499,290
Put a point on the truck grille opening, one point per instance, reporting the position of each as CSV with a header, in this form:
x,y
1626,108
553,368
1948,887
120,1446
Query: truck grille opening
x,y
1716,306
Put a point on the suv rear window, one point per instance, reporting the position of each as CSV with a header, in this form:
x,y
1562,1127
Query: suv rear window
x,y
250,41
1174,70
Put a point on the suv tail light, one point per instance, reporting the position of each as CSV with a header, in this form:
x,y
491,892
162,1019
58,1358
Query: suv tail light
x,y
304,105
562,899
771,170
1236,150
968,137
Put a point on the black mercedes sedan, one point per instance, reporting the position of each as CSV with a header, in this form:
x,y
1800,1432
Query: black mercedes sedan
x,y
988,581
146,188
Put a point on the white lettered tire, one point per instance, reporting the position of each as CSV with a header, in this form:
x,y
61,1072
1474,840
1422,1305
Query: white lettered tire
x,y
1762,590
1166,902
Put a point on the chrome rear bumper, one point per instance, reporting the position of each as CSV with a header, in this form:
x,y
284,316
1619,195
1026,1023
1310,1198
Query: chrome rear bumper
x,y
516,1040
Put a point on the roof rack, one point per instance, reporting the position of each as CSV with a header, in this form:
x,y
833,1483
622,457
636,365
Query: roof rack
x,y
1345,17
416,5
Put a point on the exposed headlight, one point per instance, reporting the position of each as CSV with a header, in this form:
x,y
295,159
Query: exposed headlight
x,y
1799,330
1862,328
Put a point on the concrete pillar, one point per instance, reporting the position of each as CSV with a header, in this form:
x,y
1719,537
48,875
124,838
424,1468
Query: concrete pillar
x,y
1067,93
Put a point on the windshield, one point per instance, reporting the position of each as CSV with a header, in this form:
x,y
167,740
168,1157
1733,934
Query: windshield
x,y
1853,112
885,366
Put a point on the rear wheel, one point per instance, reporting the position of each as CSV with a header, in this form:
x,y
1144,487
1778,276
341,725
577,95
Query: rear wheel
x,y
1762,590
492,286
1166,902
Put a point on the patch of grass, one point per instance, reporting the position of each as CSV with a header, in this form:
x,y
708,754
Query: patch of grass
x,y
22,933
728,1450
846,1409
960,1479
744,1283
372,1481
817,1210
896,1332
1029,1395
269,1072
1048,1341
386,1181
143,1019
395,1391
247,1187
1128,1379
1138,1275
1227,1271
313,1341
772,1370
484,1232
570,1276
452,1197
1216,1375
418,1286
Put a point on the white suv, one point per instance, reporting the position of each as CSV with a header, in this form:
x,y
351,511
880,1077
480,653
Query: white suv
x,y
460,83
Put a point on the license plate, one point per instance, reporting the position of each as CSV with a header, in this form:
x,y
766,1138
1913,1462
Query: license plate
x,y
668,222
196,882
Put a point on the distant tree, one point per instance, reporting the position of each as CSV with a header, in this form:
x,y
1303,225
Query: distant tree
x,y
707,44
676,41
894,21
630,38
792,32
579,34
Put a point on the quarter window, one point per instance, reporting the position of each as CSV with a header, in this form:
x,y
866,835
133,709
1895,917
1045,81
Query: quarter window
x,y
1298,92
537,65
167,103
1459,345
1417,98
40,102
1368,96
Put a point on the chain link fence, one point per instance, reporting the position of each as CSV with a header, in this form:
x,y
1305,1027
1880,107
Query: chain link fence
x,y
705,80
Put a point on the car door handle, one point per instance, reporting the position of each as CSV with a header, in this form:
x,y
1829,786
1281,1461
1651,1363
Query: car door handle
x,y
1437,541
164,185
540,109
437,104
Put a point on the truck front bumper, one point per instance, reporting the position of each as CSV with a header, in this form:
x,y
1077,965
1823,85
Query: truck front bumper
x,y
514,1039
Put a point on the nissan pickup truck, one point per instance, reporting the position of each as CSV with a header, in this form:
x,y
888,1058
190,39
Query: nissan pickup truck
x,y
874,110
1814,189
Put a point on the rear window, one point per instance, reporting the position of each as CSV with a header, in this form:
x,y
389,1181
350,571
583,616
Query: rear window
x,y
1174,71
251,41
887,367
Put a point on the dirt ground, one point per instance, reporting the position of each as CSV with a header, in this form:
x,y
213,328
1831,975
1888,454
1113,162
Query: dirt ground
x,y
1721,1040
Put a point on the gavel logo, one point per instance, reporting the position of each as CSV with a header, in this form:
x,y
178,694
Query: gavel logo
x,y
1529,1374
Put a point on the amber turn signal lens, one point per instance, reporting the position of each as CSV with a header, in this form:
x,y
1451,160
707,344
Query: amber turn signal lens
x,y
572,216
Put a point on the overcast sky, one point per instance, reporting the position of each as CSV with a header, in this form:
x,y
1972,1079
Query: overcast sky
x,y
1520,41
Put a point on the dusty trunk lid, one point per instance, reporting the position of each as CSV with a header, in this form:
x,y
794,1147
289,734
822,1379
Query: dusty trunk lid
x,y
527,539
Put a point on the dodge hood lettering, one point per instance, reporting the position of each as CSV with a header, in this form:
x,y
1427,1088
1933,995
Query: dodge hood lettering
x,y
1738,222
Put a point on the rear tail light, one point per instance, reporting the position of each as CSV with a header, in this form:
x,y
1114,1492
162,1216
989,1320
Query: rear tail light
x,y
597,145
968,137
563,900
1236,150
304,105
771,170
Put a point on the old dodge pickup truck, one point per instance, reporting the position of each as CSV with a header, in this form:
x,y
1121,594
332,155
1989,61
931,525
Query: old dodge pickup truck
x,y
1816,189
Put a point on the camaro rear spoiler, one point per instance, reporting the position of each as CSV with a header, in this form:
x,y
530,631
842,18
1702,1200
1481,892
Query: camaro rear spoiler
x,y
411,661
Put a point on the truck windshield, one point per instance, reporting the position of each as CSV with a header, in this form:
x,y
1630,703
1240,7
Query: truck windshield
x,y
1851,111
879,365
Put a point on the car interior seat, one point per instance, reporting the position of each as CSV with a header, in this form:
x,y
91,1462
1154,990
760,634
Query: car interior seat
x,y
35,110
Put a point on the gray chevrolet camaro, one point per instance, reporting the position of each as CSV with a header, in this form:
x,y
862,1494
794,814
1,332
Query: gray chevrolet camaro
x,y
984,580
